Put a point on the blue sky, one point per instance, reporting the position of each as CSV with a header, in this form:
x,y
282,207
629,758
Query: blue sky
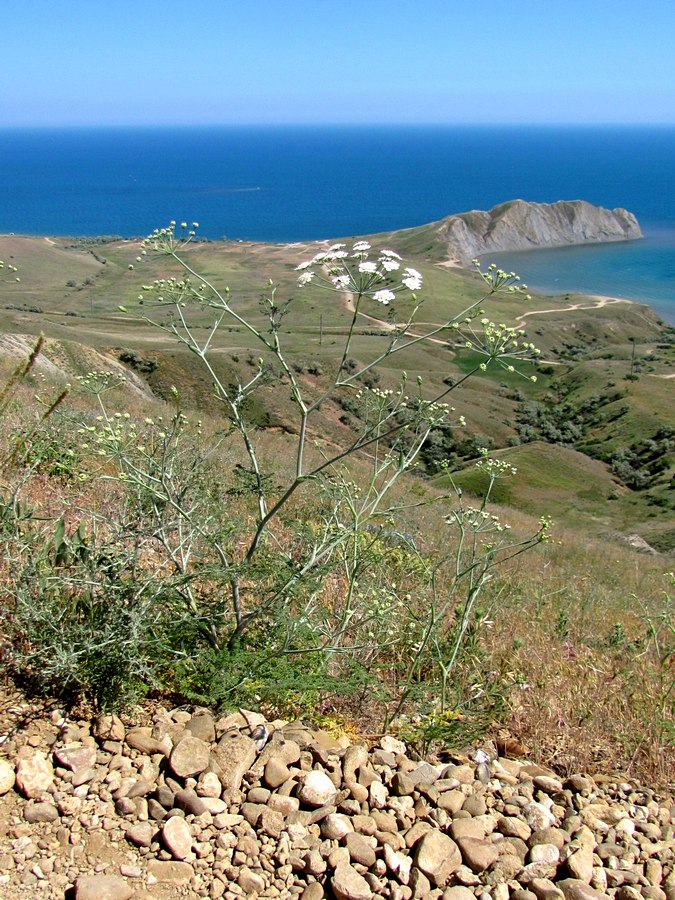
x,y
269,61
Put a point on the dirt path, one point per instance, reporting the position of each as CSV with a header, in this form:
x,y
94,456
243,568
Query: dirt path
x,y
600,299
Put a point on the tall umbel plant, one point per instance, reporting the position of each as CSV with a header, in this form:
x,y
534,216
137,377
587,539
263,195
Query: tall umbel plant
x,y
393,424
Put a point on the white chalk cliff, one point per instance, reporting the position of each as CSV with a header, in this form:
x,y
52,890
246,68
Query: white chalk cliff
x,y
520,225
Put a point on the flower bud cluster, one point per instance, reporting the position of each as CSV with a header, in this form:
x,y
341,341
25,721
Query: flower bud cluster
x,y
340,269
500,281
478,521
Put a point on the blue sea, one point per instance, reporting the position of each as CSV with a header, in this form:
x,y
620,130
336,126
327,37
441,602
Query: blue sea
x,y
289,183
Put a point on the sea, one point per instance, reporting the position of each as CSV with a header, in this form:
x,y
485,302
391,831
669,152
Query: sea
x,y
295,183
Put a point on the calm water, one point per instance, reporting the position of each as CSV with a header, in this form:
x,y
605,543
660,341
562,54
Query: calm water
x,y
293,183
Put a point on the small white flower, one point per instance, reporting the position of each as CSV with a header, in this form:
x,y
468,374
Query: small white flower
x,y
368,268
341,281
361,247
390,253
305,278
384,296
412,279
390,265
303,265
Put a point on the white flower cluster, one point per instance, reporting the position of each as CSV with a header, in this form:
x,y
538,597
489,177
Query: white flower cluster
x,y
351,270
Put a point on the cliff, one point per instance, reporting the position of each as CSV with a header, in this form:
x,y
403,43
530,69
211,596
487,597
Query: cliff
x,y
520,225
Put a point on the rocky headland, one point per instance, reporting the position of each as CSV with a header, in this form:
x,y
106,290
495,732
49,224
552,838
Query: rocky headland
x,y
521,225
194,805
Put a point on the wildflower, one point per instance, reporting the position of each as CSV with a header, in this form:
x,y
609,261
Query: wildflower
x,y
305,278
384,296
361,247
368,268
412,279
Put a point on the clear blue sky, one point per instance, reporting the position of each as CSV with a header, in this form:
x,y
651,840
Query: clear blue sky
x,y
266,61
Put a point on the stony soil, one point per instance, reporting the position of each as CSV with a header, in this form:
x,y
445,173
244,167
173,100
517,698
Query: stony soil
x,y
189,805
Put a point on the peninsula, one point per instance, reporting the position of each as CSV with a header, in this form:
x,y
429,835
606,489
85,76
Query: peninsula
x,y
521,225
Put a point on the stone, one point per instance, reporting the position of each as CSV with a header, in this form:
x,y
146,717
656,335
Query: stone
x,y
313,891
75,758
512,826
102,887
189,802
335,826
477,854
250,882
141,739
7,776
356,755
348,884
361,848
34,775
170,872
276,772
437,856
233,756
573,889
316,789
202,725
392,745
209,785
109,728
544,889
458,892
177,837
189,757
40,812
142,834
544,853
580,864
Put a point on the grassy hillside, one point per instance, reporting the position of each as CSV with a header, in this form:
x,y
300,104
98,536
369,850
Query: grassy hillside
x,y
591,439
71,291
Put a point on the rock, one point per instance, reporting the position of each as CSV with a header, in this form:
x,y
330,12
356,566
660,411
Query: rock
x,y
109,728
141,739
189,757
544,853
178,873
202,726
250,882
40,812
233,756
361,848
573,889
102,887
519,225
34,775
580,864
177,837
477,854
142,834
544,889
437,856
348,884
7,776
316,789
75,758
189,802
458,893
356,755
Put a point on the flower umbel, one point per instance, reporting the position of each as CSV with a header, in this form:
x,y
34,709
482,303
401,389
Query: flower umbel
x,y
353,271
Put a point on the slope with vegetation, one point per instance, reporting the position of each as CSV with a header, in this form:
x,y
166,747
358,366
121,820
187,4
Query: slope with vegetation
x,y
209,519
